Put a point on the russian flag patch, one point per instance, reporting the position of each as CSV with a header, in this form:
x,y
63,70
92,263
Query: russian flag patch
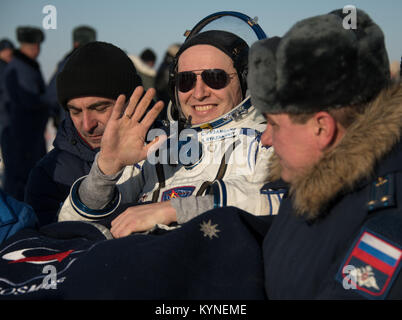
x,y
371,265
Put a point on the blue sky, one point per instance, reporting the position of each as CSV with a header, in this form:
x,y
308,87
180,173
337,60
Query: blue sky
x,y
133,25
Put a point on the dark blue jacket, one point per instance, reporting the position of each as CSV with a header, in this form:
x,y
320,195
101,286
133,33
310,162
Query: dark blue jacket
x,y
23,142
347,242
3,114
3,65
50,181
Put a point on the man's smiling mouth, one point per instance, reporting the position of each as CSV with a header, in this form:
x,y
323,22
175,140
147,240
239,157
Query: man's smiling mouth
x,y
204,107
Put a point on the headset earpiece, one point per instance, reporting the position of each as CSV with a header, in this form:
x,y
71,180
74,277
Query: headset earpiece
x,y
240,63
172,89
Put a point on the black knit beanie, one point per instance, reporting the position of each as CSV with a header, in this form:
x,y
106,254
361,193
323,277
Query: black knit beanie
x,y
229,43
97,69
6,44
318,64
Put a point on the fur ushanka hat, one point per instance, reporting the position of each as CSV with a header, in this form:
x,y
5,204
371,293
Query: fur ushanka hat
x,y
319,64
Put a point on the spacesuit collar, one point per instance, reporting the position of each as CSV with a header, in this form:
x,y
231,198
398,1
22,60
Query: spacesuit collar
x,y
235,114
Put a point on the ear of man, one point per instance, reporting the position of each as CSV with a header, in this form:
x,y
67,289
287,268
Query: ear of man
x,y
326,130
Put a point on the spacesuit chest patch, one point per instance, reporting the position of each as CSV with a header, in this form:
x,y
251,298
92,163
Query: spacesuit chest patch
x,y
371,265
218,134
177,192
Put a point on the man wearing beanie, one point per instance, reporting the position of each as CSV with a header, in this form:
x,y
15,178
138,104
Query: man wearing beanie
x,y
92,79
335,123
6,53
23,142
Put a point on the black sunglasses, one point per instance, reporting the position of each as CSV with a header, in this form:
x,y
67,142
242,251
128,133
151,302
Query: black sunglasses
x,y
213,78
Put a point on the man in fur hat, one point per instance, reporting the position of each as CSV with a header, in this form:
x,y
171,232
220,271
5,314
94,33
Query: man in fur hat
x,y
335,123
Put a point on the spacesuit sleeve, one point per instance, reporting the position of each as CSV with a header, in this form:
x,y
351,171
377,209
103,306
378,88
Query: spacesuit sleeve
x,y
97,196
191,207
239,193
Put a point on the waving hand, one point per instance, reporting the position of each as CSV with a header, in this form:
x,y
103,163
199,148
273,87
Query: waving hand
x,y
123,142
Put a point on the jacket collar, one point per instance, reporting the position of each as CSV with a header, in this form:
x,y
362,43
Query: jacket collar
x,y
18,54
353,161
69,140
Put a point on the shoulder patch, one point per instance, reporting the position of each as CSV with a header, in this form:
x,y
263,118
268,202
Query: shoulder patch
x,y
382,193
371,265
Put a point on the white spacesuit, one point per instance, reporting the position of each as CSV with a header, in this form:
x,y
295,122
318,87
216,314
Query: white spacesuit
x,y
232,168
201,166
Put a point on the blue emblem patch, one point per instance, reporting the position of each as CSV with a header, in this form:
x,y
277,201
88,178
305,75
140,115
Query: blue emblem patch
x,y
178,192
371,265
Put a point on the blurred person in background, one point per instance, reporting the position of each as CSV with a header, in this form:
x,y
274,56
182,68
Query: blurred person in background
x,y
162,77
6,54
23,142
145,65
81,35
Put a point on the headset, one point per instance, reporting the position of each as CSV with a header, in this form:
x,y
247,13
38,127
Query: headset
x,y
240,59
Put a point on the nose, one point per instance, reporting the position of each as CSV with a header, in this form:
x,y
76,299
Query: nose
x,y
89,123
266,137
200,89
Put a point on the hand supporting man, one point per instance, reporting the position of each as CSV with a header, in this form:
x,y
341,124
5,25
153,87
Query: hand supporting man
x,y
142,217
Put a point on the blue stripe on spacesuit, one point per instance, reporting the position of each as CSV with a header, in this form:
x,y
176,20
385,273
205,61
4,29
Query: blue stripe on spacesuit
x,y
88,213
220,194
256,139
224,194
270,193
216,193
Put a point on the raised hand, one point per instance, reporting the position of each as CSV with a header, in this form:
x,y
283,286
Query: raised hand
x,y
123,141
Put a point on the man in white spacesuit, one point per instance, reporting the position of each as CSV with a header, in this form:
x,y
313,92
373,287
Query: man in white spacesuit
x,y
209,93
